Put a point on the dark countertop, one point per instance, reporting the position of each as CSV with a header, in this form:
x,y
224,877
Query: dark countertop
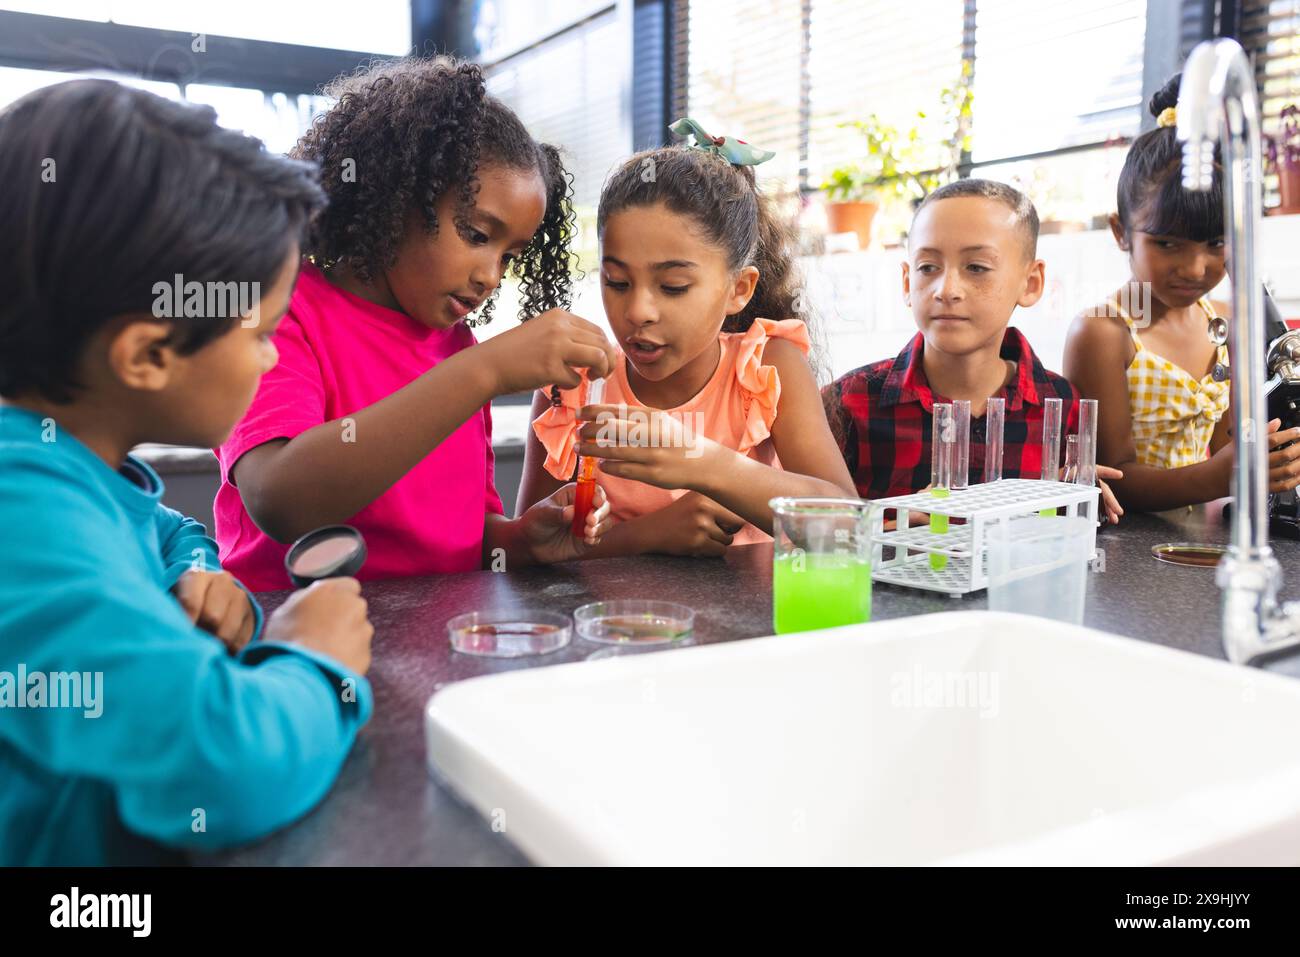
x,y
386,809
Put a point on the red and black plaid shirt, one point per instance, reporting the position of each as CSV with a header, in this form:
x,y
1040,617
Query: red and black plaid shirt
x,y
882,415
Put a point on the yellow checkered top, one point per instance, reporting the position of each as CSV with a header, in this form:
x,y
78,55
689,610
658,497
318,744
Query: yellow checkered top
x,y
1173,412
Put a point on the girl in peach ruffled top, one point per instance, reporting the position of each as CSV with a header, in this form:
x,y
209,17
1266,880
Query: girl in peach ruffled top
x,y
712,409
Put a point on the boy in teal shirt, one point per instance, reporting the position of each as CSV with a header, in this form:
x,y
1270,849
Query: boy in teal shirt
x,y
144,709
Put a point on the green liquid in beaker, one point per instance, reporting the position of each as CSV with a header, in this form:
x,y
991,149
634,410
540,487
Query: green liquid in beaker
x,y
820,591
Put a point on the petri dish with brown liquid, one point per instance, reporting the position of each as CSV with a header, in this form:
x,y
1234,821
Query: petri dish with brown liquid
x,y
1191,554
634,621
509,634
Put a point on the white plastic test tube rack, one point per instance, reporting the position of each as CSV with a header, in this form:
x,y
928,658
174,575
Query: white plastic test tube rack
x,y
902,556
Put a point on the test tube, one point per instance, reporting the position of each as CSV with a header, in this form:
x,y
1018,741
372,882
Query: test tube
x,y
941,443
1051,440
994,416
942,439
961,443
585,494
1087,442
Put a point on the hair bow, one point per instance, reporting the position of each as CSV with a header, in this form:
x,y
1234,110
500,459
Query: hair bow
x,y
734,151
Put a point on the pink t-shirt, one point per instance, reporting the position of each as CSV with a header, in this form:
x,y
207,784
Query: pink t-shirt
x,y
338,355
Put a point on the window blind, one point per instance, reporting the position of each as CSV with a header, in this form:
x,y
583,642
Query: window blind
x,y
785,74
1270,32
570,90
892,60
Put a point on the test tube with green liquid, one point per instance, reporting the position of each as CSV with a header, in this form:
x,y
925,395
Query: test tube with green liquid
x,y
943,440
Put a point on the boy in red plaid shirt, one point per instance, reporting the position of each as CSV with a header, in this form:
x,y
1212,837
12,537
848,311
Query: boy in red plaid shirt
x,y
972,258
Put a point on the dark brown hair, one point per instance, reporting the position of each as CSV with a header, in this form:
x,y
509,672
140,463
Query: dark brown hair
x,y
724,203
143,189
1019,204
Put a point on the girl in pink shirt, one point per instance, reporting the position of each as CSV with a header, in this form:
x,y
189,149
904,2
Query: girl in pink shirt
x,y
377,414
712,409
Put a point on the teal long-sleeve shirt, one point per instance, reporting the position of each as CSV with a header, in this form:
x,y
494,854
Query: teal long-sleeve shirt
x,y
191,748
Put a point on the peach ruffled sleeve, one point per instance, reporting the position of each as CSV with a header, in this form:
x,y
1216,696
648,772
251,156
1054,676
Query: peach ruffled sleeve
x,y
557,430
760,384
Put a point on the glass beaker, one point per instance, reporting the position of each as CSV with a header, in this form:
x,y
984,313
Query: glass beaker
x,y
821,562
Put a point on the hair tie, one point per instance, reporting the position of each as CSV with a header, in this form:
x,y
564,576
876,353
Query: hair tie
x,y
734,151
1168,117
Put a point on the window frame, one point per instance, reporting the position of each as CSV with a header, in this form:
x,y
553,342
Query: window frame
x,y
34,41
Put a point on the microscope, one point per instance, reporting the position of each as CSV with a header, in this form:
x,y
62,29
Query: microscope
x,y
1283,395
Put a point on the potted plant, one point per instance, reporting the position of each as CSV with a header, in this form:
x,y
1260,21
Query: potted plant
x,y
1284,159
899,165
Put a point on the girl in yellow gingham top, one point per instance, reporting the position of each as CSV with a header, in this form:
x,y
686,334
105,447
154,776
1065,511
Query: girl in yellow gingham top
x,y
1173,413
1146,355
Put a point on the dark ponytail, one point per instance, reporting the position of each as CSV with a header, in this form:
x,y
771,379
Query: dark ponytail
x,y
1151,197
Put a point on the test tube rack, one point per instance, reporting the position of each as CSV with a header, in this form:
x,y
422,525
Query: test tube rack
x,y
965,544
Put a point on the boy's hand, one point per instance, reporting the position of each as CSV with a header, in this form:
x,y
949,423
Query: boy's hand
x,y
546,350
548,525
218,605
696,526
329,617
670,457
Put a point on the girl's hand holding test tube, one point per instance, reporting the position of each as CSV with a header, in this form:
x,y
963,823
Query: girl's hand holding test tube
x,y
548,349
656,448
548,526
576,514
650,446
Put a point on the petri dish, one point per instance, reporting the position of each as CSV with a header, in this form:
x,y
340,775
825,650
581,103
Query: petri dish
x,y
634,622
509,634
1194,554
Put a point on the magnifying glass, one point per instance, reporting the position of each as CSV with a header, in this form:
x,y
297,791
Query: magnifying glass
x,y
334,551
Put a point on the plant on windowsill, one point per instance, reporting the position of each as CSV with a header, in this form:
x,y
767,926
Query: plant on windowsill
x,y
1284,159
899,165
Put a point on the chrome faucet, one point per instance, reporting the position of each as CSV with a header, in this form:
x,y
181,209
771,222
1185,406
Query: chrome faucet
x,y
1218,103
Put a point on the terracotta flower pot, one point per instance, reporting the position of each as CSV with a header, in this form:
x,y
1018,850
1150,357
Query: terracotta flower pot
x,y
1288,180
852,218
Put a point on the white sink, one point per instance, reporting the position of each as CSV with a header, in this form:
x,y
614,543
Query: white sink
x,y
1053,744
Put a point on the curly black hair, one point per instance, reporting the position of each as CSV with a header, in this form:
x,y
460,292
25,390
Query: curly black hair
x,y
409,130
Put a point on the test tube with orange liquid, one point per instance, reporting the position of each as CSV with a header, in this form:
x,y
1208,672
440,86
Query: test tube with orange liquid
x,y
585,497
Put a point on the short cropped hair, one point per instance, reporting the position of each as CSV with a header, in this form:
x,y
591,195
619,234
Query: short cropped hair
x,y
1013,199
